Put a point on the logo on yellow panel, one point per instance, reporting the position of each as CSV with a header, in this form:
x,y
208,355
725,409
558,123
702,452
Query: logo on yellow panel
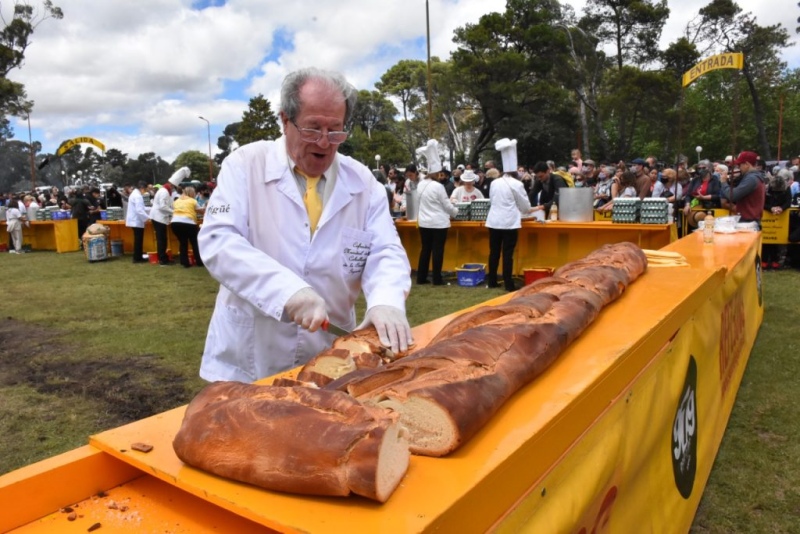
x,y
684,434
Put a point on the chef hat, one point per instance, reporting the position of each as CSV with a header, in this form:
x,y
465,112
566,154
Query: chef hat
x,y
179,176
508,150
431,153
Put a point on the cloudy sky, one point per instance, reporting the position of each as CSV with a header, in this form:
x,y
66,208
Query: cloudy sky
x,y
136,75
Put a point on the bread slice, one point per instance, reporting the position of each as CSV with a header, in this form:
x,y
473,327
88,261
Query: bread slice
x,y
294,439
362,349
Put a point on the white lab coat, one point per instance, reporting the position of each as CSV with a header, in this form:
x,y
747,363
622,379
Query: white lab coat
x,y
509,202
256,242
162,209
136,216
435,209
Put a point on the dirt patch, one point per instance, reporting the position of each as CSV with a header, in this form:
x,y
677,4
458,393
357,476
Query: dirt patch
x,y
125,390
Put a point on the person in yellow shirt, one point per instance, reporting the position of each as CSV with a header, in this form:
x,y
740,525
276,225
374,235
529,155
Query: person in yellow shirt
x,y
184,225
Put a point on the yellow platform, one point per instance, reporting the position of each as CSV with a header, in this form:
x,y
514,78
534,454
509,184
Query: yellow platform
x,y
512,476
540,244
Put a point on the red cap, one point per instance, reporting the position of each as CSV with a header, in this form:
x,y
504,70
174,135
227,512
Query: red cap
x,y
746,157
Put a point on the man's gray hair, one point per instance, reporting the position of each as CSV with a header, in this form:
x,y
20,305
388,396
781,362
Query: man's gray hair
x,y
294,81
786,174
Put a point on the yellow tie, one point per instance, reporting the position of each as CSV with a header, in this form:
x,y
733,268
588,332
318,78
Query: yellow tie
x,y
311,199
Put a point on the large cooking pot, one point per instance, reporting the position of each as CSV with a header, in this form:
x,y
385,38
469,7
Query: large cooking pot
x,y
575,204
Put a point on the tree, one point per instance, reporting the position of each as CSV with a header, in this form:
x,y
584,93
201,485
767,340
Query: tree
x,y
403,81
506,63
197,163
722,27
14,40
633,27
372,111
258,122
227,142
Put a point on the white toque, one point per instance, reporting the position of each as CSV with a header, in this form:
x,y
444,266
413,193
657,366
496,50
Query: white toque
x,y
179,176
508,151
431,153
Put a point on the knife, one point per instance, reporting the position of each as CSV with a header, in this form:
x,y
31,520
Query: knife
x,y
335,330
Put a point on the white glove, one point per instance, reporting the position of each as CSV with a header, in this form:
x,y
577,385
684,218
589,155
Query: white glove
x,y
392,327
307,309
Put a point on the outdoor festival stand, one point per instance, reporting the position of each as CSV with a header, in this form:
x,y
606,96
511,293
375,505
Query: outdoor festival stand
x,y
61,236
540,244
618,435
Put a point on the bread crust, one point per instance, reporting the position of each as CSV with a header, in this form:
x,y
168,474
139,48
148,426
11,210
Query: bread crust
x,y
292,439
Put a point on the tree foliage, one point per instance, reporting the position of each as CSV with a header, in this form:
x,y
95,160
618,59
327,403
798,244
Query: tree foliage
x,y
197,163
15,37
258,122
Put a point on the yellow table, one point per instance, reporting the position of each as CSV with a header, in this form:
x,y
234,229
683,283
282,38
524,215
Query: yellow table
x,y
120,232
548,244
61,236
586,445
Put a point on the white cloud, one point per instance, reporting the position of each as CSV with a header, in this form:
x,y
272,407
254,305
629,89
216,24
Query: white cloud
x,y
139,73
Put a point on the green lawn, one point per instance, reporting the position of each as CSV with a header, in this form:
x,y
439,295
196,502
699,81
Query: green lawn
x,y
86,347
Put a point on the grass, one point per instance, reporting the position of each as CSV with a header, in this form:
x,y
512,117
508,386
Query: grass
x,y
86,347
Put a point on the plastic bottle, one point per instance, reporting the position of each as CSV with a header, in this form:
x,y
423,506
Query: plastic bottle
x,y
554,212
671,213
708,229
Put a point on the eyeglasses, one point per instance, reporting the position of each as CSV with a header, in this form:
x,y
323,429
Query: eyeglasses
x,y
310,135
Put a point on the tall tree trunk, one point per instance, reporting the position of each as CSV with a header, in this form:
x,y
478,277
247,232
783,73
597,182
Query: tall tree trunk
x,y
766,153
584,129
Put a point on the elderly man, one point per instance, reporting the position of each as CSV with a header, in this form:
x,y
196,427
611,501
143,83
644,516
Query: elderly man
x,y
748,194
293,232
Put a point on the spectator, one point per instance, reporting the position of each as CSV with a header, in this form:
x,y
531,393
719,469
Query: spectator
x,y
602,190
466,192
79,207
747,195
778,199
15,218
545,188
703,193
96,205
669,188
184,226
641,177
576,160
113,198
484,181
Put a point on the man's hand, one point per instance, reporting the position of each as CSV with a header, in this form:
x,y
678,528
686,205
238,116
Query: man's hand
x,y
392,327
307,309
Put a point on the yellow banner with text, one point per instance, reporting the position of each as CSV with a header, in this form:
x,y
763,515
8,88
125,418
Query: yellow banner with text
x,y
644,463
732,60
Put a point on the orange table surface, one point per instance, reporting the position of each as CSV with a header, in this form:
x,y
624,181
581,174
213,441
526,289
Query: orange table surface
x,y
471,489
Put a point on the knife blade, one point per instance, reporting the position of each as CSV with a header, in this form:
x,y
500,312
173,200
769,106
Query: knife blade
x,y
335,330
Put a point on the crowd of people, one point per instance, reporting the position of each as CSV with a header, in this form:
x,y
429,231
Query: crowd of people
x,y
744,185
86,203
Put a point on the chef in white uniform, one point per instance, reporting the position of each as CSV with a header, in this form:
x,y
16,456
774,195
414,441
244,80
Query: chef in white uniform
x,y
294,232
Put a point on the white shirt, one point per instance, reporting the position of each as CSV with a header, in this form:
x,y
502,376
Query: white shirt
x,y
435,209
161,211
256,242
509,202
460,194
136,216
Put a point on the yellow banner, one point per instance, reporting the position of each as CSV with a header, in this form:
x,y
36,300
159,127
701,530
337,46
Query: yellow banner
x,y
654,447
775,228
66,145
733,60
